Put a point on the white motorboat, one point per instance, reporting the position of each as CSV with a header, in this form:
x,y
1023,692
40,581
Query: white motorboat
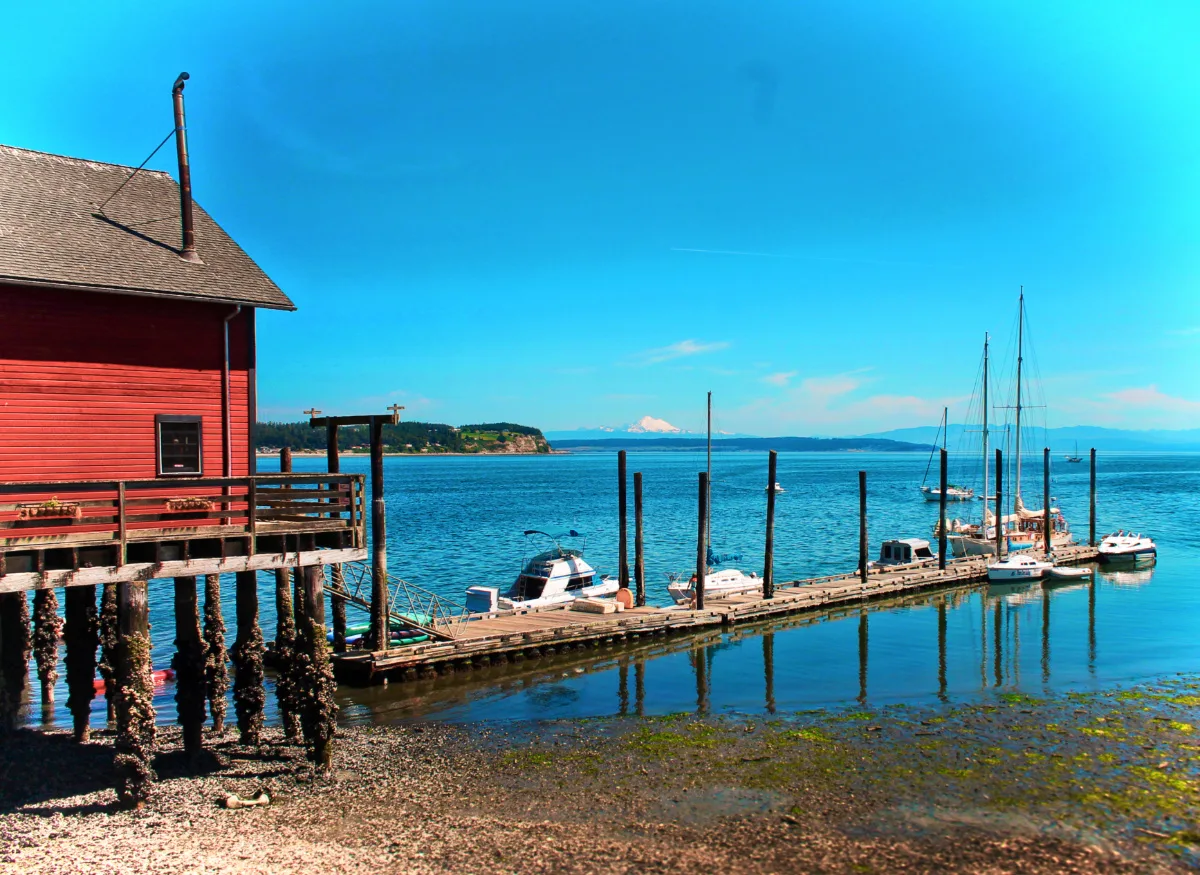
x,y
1018,567
717,583
904,551
1068,572
953,493
553,576
1127,547
776,488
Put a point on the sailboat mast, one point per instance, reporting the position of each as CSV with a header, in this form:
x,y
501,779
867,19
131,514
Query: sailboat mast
x,y
985,433
708,510
1020,359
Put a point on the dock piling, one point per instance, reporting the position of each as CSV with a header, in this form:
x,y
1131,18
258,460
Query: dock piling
x,y
47,626
1092,501
318,711
701,552
622,523
862,526
189,664
942,513
1046,518
15,646
249,696
107,666
639,544
135,695
81,633
216,672
999,505
768,589
337,578
379,589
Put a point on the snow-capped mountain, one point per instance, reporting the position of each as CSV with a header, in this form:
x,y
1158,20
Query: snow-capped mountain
x,y
646,427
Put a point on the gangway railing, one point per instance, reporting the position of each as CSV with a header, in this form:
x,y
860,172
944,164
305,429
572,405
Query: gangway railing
x,y
412,605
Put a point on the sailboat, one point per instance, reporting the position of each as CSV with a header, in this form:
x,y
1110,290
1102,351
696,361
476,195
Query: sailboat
x,y
1075,457
934,493
718,582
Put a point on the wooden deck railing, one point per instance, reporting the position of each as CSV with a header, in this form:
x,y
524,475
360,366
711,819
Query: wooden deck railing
x,y
123,514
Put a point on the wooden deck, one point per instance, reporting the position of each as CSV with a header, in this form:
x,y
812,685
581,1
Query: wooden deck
x,y
537,633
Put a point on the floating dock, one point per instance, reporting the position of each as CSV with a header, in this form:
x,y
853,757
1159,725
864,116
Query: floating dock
x,y
531,635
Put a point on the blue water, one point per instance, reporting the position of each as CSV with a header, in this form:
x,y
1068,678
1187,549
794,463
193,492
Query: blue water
x,y
455,521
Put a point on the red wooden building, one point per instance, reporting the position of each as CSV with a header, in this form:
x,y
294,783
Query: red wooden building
x,y
127,387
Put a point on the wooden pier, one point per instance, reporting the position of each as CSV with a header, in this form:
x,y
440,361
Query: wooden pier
x,y
514,637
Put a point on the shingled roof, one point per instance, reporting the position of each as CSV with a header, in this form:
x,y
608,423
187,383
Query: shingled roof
x,y
52,233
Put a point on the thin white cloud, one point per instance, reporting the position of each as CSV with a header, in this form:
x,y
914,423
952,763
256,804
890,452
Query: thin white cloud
x,y
780,379
1149,398
682,349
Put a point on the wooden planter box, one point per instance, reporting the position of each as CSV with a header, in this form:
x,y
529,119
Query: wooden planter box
x,y
193,503
59,511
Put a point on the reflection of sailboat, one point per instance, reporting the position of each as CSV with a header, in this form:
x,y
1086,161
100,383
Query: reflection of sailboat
x,y
934,493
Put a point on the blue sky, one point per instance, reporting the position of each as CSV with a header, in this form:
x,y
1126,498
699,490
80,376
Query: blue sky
x,y
577,214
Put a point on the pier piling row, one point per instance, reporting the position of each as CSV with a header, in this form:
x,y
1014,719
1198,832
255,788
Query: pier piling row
x,y
530,635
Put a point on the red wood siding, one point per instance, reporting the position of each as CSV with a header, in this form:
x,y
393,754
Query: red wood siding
x,y
82,376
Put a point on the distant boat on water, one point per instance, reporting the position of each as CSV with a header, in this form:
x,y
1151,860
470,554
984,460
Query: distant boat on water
x,y
1075,457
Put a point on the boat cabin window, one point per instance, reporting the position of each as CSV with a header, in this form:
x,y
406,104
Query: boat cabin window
x,y
924,553
578,583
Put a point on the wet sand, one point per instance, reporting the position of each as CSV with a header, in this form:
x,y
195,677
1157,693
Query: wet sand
x,y
1105,782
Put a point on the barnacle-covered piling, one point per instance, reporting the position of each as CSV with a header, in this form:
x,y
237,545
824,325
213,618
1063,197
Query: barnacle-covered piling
x,y
14,656
135,697
108,647
82,636
285,657
216,672
249,696
47,625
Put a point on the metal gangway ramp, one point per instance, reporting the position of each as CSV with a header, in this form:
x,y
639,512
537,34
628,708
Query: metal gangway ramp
x,y
412,605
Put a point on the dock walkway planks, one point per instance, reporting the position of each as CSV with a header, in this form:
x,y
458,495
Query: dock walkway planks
x,y
516,636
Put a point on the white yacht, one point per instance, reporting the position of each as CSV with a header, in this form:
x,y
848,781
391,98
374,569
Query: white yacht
x,y
553,576
934,493
1127,547
1018,567
776,488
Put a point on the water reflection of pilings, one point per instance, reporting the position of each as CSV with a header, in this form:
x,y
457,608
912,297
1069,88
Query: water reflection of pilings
x,y
1092,628
862,658
768,647
941,609
1045,636
623,688
639,687
700,665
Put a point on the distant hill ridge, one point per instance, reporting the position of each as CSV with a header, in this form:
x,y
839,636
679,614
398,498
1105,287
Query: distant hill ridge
x,y
409,437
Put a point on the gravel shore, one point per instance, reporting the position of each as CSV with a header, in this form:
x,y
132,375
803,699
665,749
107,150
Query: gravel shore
x,y
1079,783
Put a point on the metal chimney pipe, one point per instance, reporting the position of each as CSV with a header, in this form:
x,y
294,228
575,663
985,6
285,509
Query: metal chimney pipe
x,y
188,252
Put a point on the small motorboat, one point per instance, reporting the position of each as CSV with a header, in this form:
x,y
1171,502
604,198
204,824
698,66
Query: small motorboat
x,y
553,576
776,488
902,551
1127,547
1017,567
717,584
953,493
1068,572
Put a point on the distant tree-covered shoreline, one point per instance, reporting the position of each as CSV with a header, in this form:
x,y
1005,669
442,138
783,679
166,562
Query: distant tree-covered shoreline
x,y
408,437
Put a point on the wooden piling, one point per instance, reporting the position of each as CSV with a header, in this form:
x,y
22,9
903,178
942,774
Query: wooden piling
x,y
81,636
862,526
623,514
1047,531
701,552
999,505
942,512
188,664
768,588
639,558
314,679
249,697
107,666
337,577
1092,501
216,670
15,647
135,695
47,626
379,590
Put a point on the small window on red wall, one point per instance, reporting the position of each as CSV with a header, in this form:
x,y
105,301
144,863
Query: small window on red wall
x,y
179,445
